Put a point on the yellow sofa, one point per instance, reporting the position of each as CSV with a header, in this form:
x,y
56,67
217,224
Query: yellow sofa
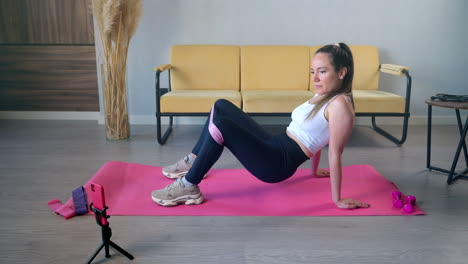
x,y
267,80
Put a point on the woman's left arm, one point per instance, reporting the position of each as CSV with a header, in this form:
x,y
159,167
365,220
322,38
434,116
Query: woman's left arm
x,y
341,120
316,171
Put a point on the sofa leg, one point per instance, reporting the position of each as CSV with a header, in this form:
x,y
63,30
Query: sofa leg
x,y
388,135
162,139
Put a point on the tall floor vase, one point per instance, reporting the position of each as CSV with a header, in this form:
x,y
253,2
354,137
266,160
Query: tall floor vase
x,y
115,102
117,21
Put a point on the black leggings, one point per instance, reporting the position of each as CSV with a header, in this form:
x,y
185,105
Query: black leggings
x,y
270,158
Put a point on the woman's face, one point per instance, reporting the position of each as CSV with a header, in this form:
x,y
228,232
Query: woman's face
x,y
324,75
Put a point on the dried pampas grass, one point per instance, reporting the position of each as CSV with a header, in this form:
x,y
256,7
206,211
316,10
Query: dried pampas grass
x,y
117,21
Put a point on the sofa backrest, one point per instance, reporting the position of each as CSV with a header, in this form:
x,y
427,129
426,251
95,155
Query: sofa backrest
x,y
205,67
366,67
270,67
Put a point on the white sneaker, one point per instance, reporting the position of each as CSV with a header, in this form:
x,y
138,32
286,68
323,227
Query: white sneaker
x,y
176,193
179,169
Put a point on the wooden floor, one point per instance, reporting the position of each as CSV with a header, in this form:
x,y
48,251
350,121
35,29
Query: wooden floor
x,y
43,160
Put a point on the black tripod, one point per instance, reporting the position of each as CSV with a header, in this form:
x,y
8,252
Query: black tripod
x,y
106,232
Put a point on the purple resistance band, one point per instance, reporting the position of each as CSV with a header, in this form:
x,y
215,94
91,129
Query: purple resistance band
x,y
79,201
214,131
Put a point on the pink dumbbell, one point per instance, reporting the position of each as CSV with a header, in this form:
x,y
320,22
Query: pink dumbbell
x,y
397,201
410,202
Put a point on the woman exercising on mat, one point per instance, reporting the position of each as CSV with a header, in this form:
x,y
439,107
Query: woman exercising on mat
x,y
327,118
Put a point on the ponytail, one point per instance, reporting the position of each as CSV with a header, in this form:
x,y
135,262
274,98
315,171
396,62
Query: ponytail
x,y
340,57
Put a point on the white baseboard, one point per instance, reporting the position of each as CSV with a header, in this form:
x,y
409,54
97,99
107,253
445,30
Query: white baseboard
x,y
45,115
364,121
151,120
413,120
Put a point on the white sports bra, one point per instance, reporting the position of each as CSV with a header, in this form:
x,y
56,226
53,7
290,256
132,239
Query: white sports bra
x,y
314,132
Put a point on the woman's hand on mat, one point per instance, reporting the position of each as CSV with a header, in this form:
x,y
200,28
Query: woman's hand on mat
x,y
322,173
348,203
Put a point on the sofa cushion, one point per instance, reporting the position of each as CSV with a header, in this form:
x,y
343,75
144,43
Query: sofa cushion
x,y
366,67
199,101
205,67
366,101
277,101
274,67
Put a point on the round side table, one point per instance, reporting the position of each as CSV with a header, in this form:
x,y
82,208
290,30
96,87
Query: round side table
x,y
452,175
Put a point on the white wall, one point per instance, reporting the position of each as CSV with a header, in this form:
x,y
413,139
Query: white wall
x,y
429,36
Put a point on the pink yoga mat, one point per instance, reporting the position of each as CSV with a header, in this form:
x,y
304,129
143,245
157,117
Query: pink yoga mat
x,y
128,188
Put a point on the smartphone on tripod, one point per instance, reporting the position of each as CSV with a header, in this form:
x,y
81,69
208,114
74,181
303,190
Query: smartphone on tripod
x,y
98,199
98,207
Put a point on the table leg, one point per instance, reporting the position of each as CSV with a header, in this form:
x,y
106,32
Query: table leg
x,y
460,128
457,154
429,127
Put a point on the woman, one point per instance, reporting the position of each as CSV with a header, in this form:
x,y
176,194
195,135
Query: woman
x,y
327,118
